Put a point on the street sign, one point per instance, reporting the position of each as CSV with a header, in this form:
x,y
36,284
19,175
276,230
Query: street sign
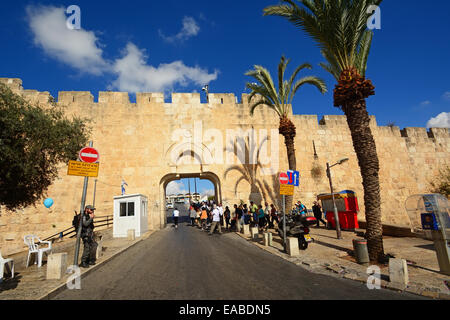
x,y
284,178
286,190
89,155
83,169
294,178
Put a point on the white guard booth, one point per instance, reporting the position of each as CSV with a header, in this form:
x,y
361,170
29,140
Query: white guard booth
x,y
130,212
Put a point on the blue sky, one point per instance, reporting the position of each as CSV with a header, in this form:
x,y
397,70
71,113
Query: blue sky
x,y
177,46
204,187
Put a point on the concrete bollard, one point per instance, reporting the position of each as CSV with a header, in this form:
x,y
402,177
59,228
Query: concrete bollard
x,y
255,234
131,235
292,247
266,239
398,272
99,252
270,239
246,230
56,266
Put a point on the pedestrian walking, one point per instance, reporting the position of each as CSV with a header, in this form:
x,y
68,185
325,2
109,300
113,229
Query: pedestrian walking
x,y
87,234
215,221
193,215
246,214
261,218
317,210
274,215
267,214
176,215
221,211
227,215
204,217
240,218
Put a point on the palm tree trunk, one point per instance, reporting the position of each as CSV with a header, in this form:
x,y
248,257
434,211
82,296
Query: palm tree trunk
x,y
359,123
288,130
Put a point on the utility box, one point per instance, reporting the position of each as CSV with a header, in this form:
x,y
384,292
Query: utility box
x,y
130,213
431,213
347,206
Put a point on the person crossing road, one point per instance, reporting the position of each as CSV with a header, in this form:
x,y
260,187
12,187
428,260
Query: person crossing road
x,y
176,215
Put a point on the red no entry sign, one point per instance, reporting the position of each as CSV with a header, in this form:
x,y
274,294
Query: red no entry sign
x,y
284,178
89,155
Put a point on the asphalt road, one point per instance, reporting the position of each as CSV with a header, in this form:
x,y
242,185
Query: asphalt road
x,y
188,264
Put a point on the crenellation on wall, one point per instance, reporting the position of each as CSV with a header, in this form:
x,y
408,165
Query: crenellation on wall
x,y
331,121
440,133
113,97
145,98
69,97
14,84
186,98
222,98
415,133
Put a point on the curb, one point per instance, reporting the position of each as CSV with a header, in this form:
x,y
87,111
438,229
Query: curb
x,y
62,287
428,292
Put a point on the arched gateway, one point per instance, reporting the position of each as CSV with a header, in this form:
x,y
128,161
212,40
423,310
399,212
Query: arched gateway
x,y
150,143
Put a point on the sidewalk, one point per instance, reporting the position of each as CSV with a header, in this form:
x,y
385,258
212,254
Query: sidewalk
x,y
31,284
328,255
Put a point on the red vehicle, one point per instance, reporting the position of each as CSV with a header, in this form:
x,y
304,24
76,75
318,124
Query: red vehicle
x,y
348,209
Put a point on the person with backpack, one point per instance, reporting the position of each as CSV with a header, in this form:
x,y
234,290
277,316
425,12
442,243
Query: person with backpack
x,y
76,221
87,234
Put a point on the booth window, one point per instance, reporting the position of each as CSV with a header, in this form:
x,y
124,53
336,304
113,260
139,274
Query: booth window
x,y
127,209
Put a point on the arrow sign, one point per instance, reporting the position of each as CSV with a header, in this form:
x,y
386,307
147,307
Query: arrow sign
x,y
294,178
89,155
284,178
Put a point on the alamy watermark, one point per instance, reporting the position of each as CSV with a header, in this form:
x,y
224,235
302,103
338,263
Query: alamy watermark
x,y
73,22
374,280
374,21
241,147
74,280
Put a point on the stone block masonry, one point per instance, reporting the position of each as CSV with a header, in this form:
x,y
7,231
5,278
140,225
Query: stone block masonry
x,y
137,142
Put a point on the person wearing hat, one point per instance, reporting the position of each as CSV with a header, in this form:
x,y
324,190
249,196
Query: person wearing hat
x,y
87,234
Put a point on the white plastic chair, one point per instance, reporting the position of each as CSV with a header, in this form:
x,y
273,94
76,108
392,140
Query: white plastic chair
x,y
33,242
4,262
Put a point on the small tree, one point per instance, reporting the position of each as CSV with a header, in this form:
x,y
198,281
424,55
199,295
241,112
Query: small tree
x,y
33,142
441,184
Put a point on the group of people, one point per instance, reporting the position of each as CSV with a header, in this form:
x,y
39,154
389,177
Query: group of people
x,y
209,216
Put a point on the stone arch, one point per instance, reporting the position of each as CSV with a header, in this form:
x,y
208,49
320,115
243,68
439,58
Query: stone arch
x,y
178,176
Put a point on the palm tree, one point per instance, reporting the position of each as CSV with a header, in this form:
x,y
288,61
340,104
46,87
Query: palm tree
x,y
339,27
281,100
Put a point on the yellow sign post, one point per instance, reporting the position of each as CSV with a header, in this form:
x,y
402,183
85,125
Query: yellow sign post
x,y
286,190
83,169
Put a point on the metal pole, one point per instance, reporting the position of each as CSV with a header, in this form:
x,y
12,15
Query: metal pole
x,y
95,190
284,222
336,215
83,203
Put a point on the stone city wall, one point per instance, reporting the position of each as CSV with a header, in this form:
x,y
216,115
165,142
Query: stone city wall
x,y
146,143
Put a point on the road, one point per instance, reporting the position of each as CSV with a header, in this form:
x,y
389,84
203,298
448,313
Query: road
x,y
188,264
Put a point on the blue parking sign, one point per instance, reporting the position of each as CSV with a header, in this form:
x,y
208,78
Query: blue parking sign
x,y
294,178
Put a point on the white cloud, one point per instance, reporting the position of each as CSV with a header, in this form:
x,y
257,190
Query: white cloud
x,y
190,29
77,48
208,193
175,188
441,121
135,75
446,96
80,49
425,103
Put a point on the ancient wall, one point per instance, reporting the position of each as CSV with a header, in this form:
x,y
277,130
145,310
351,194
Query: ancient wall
x,y
144,143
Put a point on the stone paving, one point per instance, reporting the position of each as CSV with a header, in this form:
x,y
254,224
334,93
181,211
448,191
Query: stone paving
x,y
31,284
328,255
